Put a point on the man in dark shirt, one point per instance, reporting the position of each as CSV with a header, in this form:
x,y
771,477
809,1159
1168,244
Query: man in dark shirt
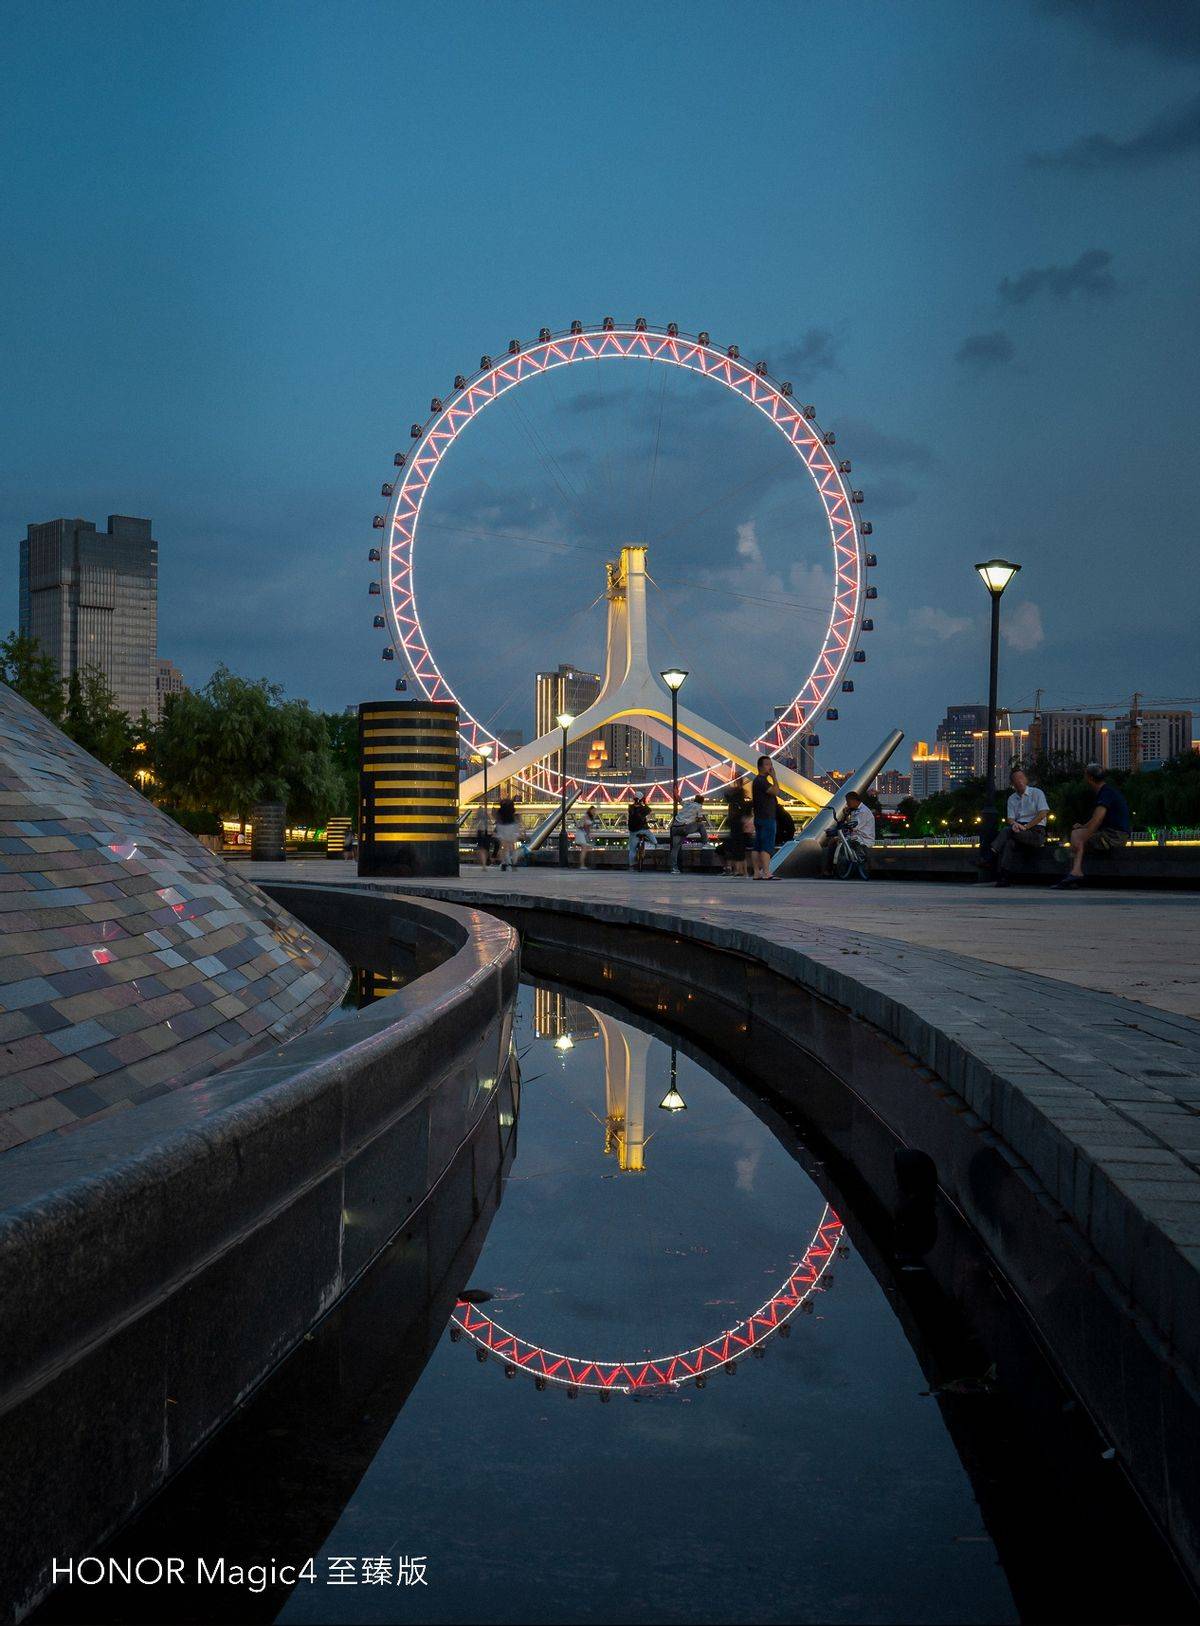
x,y
764,794
1107,828
638,825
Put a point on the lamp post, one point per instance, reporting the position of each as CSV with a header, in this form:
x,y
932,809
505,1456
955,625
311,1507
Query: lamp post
x,y
996,575
484,753
674,678
672,1101
564,721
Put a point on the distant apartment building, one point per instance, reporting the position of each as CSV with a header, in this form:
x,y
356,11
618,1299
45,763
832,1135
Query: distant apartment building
x,y
956,732
168,680
565,690
1145,738
618,751
892,787
1012,745
90,598
931,769
1069,736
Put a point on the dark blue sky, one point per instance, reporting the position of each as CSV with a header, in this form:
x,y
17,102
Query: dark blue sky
x,y
246,244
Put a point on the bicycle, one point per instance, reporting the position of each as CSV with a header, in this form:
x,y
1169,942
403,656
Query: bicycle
x,y
850,861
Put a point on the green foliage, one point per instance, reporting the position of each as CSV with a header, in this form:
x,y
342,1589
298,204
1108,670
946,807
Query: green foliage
x,y
342,729
235,742
196,822
94,720
1158,798
32,675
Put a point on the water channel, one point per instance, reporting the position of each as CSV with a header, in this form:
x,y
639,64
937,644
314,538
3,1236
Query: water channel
x,y
672,1389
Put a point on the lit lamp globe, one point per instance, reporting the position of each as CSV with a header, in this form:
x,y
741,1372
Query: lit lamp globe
x,y
564,1042
672,1101
565,719
996,575
674,678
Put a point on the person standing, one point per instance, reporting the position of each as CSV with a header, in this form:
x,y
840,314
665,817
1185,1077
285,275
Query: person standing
x,y
764,795
1108,828
1025,830
689,822
734,846
483,838
509,831
637,822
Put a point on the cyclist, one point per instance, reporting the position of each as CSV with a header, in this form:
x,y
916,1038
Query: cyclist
x,y
857,824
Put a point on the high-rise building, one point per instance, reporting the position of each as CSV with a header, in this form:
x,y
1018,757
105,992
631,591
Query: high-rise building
x,y
1012,745
892,787
956,732
168,680
1069,737
931,769
570,690
1144,737
90,598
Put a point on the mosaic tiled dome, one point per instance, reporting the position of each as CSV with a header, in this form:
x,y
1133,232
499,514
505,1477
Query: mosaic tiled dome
x,y
132,960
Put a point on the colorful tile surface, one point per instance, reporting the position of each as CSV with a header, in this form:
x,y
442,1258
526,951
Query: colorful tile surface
x,y
131,958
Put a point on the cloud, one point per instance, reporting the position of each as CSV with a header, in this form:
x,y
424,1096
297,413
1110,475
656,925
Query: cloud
x,y
1167,136
1171,27
747,543
931,624
887,495
803,358
1088,275
1022,627
982,351
881,450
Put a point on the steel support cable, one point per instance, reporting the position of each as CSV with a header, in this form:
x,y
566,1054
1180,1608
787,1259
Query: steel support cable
x,y
662,395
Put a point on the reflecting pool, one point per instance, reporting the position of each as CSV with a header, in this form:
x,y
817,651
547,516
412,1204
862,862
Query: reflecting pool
x,y
813,1481
654,1382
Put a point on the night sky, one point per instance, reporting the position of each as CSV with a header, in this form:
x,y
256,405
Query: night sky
x,y
245,244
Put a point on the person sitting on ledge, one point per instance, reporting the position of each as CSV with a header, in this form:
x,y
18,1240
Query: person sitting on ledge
x,y
688,823
1106,830
1028,811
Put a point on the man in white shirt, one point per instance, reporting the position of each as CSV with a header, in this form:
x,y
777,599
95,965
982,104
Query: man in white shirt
x,y
1025,831
859,824
688,824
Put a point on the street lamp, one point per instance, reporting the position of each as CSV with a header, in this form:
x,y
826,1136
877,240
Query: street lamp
x,y
674,678
672,1101
564,721
484,753
995,575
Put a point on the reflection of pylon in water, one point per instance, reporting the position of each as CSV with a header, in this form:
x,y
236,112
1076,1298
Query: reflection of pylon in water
x,y
632,693
625,1052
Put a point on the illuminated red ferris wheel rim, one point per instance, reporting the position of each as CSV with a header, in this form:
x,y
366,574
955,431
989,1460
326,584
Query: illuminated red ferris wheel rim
x,y
666,1371
638,343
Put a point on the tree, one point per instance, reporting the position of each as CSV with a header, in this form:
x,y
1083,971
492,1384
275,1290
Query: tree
x,y
94,720
32,675
233,743
342,728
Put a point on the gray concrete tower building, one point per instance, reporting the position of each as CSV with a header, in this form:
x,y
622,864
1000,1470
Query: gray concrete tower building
x,y
90,598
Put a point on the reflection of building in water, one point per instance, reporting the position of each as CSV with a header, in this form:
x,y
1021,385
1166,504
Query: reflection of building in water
x,y
371,985
625,1051
554,1015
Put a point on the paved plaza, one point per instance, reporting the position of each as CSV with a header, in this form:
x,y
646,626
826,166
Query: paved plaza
x,y
1144,946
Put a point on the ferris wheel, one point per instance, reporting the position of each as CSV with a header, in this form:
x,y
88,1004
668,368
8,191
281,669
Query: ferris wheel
x,y
820,689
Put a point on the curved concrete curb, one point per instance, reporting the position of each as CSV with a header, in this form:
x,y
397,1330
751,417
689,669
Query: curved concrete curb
x,y
155,1266
1064,1124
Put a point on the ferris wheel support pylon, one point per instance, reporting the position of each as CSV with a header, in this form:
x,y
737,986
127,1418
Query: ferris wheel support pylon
x,y
632,693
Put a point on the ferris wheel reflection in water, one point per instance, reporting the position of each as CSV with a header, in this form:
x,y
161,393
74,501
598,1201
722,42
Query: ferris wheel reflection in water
x,y
565,1023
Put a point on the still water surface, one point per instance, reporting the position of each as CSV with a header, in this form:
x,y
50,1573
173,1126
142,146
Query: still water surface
x,y
815,1484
